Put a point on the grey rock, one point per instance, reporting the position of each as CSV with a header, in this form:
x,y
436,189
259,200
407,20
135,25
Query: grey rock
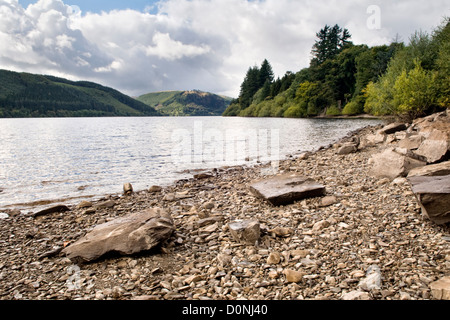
x,y
433,194
286,189
130,234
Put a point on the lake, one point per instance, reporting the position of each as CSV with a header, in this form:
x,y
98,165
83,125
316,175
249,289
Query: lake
x,y
51,160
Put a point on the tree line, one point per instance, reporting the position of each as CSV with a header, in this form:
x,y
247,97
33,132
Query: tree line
x,y
407,81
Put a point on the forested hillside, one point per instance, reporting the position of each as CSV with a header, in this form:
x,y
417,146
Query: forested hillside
x,y
186,103
29,95
408,81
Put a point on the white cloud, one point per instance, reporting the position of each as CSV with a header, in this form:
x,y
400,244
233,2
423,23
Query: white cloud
x,y
166,48
191,44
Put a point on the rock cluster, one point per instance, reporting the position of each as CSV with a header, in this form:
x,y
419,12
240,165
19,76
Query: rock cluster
x,y
365,238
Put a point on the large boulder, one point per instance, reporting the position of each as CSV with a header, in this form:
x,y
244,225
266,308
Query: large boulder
x,y
391,164
286,189
130,234
433,194
436,147
438,169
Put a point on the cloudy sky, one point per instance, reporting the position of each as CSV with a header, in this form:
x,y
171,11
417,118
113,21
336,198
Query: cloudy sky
x,y
141,46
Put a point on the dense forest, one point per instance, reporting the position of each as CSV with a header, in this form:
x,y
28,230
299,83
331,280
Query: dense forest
x,y
29,95
186,103
407,81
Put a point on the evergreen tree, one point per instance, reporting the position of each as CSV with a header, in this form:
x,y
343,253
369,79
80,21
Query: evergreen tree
x,y
331,41
265,73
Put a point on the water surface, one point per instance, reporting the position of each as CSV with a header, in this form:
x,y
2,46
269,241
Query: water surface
x,y
48,160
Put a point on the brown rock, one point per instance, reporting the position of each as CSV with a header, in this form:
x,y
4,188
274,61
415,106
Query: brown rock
x,y
347,148
84,204
411,143
391,164
127,188
127,235
245,231
293,275
436,147
55,209
433,194
155,189
393,128
286,189
202,176
328,201
438,169
441,289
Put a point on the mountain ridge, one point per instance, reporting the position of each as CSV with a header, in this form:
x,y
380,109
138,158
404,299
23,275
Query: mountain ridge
x,y
33,95
186,103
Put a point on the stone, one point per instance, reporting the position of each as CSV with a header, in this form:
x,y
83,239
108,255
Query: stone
x,y
127,235
356,295
372,279
106,204
55,209
281,231
286,189
372,140
293,276
245,231
155,189
321,225
200,176
127,188
347,148
393,128
84,204
436,147
390,164
441,289
438,169
433,194
328,201
411,143
274,258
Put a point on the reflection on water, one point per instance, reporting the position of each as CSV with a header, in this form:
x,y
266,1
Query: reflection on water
x,y
45,160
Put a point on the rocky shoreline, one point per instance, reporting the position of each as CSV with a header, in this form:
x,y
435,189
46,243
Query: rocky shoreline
x,y
366,239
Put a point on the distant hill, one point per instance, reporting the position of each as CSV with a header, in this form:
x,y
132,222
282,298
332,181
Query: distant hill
x,y
186,103
30,95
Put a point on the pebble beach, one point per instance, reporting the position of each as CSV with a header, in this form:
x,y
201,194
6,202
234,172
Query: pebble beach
x,y
314,249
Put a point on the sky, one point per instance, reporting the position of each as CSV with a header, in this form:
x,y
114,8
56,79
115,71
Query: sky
x,y
141,46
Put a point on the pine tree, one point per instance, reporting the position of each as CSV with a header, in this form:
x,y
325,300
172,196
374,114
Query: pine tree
x,y
331,41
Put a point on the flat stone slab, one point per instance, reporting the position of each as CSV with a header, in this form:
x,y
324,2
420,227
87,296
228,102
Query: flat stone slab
x,y
439,169
127,235
433,194
286,189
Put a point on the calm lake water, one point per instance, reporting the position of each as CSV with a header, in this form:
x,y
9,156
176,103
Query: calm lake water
x,y
76,158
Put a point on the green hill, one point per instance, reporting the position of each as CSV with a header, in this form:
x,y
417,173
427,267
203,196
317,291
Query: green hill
x,y
30,95
186,103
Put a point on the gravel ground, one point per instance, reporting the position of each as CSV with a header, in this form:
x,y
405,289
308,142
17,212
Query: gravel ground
x,y
312,249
